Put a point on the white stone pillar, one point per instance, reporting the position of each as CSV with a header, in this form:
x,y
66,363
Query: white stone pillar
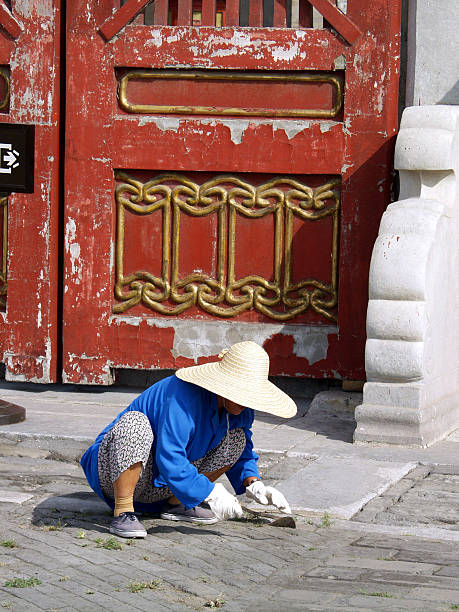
x,y
432,53
412,349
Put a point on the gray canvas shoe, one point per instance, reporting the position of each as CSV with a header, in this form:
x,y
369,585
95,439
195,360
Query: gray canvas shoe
x,y
127,525
199,514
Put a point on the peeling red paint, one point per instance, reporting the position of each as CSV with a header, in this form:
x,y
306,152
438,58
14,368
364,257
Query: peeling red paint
x,y
356,145
28,330
102,137
284,361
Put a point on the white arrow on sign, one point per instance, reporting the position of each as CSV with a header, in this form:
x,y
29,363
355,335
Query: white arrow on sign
x,y
10,157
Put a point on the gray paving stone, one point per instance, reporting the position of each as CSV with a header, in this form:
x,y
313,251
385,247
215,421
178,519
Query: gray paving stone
x,y
445,469
314,487
404,578
429,594
424,569
381,603
7,598
83,502
350,587
449,570
420,472
299,597
399,488
404,542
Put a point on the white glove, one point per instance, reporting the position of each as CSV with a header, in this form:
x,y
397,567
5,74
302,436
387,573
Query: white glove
x,y
267,495
223,504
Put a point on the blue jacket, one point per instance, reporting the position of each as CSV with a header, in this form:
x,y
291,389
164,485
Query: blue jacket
x,y
186,426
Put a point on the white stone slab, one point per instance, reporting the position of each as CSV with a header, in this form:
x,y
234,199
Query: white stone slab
x,y
14,497
341,486
454,437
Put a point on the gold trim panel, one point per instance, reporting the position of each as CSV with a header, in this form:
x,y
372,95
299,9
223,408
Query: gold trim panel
x,y
194,75
4,253
4,74
225,295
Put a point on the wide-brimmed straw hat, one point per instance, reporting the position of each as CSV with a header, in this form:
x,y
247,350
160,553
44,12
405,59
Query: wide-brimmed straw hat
x,y
242,377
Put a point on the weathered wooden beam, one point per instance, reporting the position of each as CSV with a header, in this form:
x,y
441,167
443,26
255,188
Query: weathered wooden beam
x,y
116,22
9,22
341,22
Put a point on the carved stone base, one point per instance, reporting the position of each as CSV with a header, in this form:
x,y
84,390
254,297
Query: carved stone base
x,y
412,423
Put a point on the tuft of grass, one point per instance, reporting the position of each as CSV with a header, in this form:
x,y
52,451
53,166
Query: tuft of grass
x,y
454,606
6,604
89,592
204,578
250,519
81,534
136,587
58,525
312,548
376,594
21,583
109,544
64,578
9,544
218,602
146,558
326,520
385,559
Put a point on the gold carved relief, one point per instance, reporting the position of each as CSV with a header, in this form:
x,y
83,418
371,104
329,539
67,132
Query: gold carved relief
x,y
225,295
4,250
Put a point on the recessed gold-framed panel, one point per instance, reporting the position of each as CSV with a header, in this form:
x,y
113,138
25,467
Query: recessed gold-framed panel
x,y
6,87
229,78
224,294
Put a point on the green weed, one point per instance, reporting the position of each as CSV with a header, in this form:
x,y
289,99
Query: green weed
x,y
109,544
58,525
9,544
376,594
21,583
136,587
218,602
81,535
326,520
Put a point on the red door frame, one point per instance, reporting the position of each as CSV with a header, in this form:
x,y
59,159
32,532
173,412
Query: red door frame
x,y
30,53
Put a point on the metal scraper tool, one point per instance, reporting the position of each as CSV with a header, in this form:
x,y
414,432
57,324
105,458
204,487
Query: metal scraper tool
x,y
274,521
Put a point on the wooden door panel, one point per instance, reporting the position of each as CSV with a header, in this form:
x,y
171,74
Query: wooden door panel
x,y
30,65
204,204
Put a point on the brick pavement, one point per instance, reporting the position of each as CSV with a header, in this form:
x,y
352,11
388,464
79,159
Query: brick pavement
x,y
59,535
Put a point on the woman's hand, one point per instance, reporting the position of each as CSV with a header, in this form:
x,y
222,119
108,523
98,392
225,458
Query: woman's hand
x,y
267,495
223,504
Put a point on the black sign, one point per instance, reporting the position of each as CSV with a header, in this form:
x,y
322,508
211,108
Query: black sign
x,y
17,148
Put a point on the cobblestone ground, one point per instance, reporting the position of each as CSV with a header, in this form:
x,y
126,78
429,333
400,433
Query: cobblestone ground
x,y
58,539
429,495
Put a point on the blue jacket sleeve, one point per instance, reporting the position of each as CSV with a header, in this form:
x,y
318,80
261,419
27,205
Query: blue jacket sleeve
x,y
246,465
175,429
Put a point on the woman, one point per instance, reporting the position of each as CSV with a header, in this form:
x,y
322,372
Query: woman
x,y
167,449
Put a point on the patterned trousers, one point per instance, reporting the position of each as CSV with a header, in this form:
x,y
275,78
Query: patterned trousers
x,y
130,441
